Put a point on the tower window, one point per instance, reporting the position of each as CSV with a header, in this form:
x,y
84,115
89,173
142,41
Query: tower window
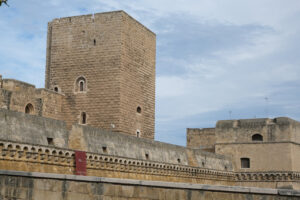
x,y
138,133
94,42
139,109
147,156
245,163
178,160
104,149
83,118
29,109
56,89
257,137
81,84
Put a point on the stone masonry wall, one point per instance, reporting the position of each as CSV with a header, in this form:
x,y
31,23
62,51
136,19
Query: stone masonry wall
x,y
36,186
204,139
99,141
20,127
114,54
137,78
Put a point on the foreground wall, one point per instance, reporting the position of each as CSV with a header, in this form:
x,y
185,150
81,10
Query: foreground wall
x,y
36,186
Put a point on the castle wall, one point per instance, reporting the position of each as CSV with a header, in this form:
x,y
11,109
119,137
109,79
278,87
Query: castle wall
x,y
296,157
137,78
16,126
273,130
263,156
21,95
60,187
51,104
204,139
16,95
94,140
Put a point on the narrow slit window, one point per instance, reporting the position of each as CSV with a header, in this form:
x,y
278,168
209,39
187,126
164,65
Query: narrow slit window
x,y
139,109
94,42
138,133
81,86
147,156
83,118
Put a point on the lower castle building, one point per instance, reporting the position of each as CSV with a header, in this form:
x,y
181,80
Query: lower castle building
x,y
90,133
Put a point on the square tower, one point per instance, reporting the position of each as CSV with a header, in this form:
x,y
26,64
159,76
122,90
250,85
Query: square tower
x,y
104,64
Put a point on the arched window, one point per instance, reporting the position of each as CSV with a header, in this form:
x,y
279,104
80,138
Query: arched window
x,y
56,89
245,163
83,118
29,109
257,137
81,84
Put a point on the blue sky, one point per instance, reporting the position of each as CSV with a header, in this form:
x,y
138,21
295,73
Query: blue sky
x,y
213,57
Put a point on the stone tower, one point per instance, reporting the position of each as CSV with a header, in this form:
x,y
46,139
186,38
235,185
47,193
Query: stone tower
x,y
104,64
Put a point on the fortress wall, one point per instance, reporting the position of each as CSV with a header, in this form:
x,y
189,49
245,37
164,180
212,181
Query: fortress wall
x,y
278,129
296,157
36,186
21,94
94,140
204,139
263,157
5,98
32,129
51,103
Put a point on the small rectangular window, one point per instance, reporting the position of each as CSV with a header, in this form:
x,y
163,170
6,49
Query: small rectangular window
x,y
245,163
50,141
104,149
147,156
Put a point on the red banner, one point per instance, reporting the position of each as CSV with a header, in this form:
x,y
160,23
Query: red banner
x,y
80,163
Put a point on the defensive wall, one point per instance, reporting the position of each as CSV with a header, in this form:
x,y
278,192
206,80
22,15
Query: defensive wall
x,y
16,95
117,155
268,145
35,186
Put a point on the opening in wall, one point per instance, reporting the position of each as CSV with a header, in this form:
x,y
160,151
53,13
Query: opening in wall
x,y
56,89
138,133
50,141
147,156
139,109
81,84
83,118
178,160
245,163
29,109
257,137
104,149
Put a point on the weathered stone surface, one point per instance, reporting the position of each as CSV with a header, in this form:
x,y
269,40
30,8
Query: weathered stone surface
x,y
60,187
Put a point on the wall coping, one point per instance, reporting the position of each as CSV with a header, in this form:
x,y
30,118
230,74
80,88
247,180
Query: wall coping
x,y
218,188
